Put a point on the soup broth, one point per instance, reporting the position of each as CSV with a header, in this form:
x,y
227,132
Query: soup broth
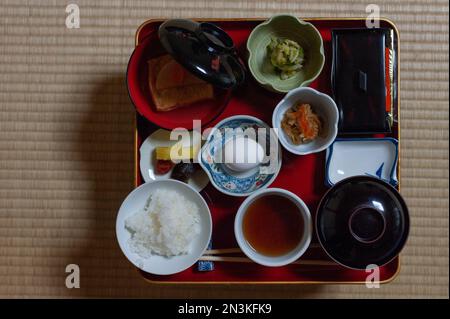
x,y
273,225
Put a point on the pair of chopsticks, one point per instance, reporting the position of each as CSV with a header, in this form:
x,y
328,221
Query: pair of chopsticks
x,y
214,255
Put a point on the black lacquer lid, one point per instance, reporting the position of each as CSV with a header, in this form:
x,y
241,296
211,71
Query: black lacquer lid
x,y
203,49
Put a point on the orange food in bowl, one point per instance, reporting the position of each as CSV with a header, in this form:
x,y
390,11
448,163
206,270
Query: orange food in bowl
x,y
171,86
301,124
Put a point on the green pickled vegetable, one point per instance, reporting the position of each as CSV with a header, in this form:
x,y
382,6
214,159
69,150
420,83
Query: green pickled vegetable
x,y
286,56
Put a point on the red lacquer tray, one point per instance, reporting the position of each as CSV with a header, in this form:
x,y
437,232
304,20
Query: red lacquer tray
x,y
302,175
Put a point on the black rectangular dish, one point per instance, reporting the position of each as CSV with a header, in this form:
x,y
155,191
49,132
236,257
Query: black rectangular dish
x,y
362,73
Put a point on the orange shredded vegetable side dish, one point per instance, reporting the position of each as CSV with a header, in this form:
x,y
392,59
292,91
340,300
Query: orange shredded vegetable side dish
x,y
301,124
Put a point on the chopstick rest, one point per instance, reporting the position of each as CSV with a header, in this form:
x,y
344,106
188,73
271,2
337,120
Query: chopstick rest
x,y
205,265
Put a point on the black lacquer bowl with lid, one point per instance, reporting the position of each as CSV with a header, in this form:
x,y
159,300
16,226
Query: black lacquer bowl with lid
x,y
205,50
362,221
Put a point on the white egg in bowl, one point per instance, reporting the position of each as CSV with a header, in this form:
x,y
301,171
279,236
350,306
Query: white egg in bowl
x,y
241,155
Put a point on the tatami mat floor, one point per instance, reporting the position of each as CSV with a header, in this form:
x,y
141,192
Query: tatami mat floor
x,y
66,144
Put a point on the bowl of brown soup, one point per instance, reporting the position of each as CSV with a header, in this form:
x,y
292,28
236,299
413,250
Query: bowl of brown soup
x,y
273,227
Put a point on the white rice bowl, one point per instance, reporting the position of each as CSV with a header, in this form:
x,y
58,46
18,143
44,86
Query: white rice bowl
x,y
165,226
154,237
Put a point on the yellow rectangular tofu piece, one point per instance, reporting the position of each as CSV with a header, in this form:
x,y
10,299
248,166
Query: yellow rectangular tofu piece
x,y
176,152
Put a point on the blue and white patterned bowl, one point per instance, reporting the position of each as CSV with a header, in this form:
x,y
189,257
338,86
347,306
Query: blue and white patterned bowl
x,y
237,183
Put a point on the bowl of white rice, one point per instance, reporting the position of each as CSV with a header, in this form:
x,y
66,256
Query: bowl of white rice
x,y
163,227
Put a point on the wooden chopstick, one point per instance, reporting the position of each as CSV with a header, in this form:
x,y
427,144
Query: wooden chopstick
x,y
248,260
225,251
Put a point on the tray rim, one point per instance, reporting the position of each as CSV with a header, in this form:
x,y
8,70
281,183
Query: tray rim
x,y
300,282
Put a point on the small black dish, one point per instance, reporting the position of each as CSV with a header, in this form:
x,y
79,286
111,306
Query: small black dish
x,y
362,221
205,50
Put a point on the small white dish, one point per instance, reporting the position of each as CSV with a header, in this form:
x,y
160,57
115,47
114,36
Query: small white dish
x,y
156,264
147,164
279,260
349,157
322,105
